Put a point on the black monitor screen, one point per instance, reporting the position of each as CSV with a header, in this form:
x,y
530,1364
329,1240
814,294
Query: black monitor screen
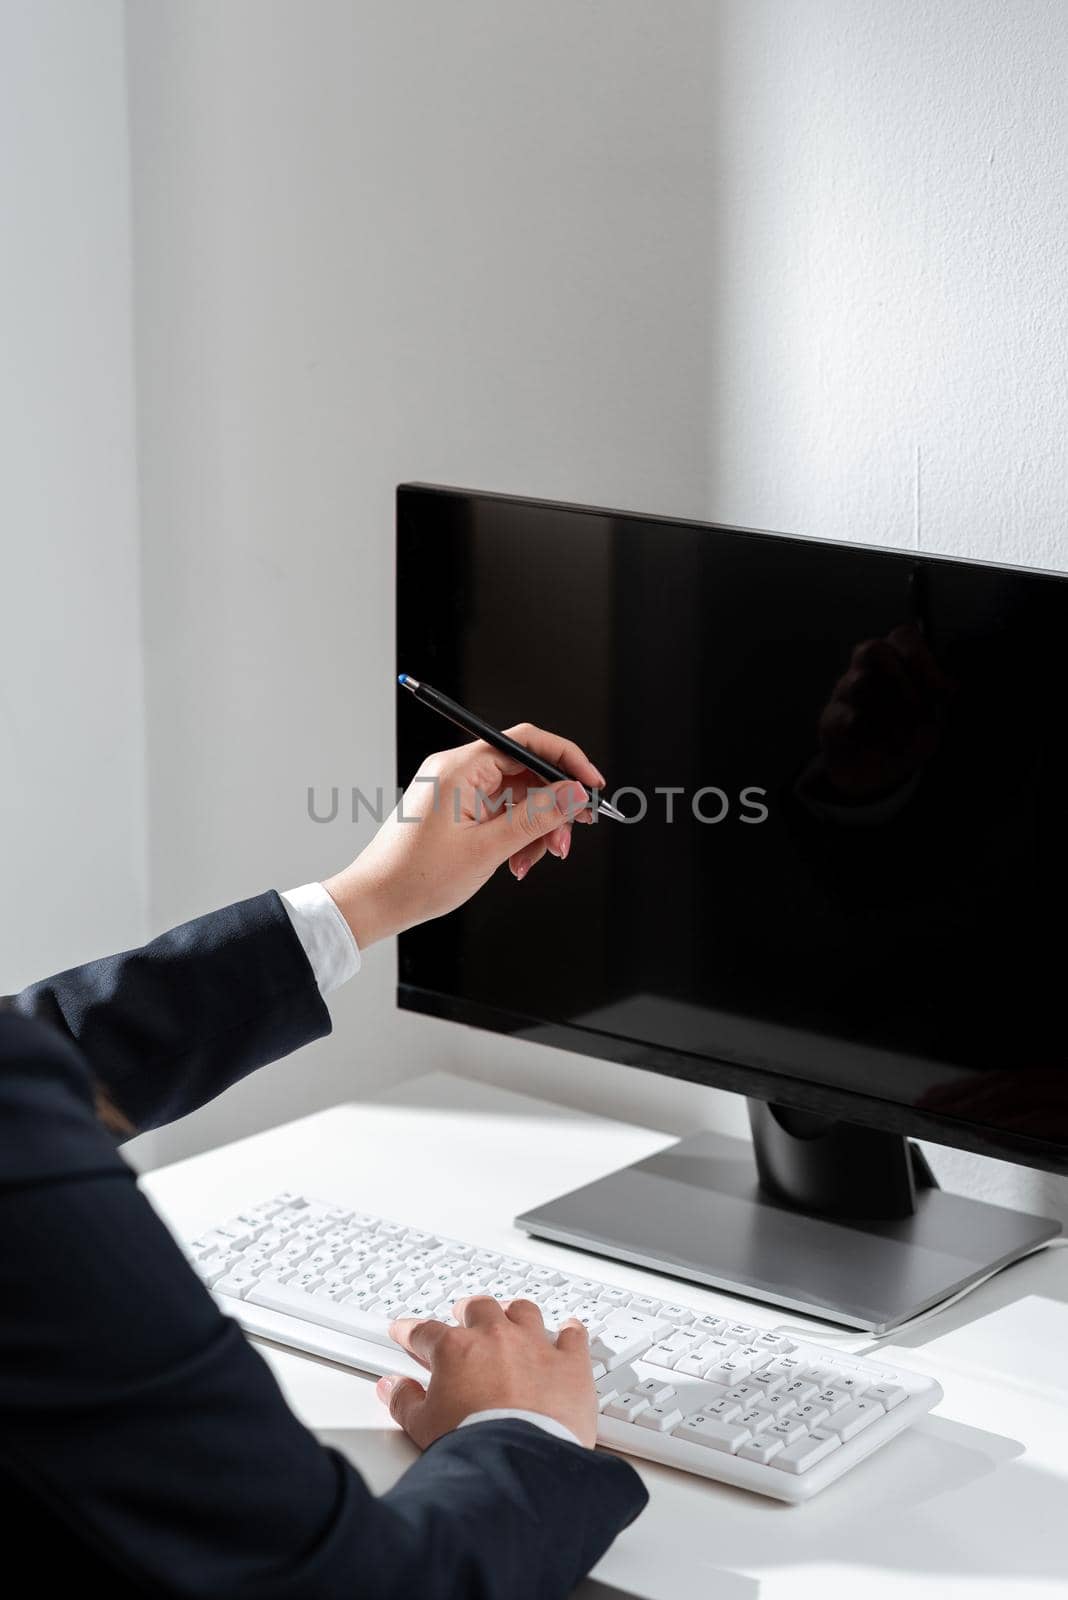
x,y
844,884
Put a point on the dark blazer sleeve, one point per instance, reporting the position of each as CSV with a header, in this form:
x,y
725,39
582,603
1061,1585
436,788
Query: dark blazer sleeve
x,y
169,1026
137,1417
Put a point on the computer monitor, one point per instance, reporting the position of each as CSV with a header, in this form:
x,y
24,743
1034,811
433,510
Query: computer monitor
x,y
841,893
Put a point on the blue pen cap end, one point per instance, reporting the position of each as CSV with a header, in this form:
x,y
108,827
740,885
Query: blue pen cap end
x,y
402,678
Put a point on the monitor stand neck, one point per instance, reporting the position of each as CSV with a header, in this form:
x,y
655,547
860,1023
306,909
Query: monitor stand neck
x,y
835,1169
843,1223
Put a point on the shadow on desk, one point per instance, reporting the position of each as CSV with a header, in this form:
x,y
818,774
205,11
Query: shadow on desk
x,y
930,1503
943,1500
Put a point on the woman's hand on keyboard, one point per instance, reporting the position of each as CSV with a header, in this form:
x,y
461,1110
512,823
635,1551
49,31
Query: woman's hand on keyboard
x,y
500,1357
466,813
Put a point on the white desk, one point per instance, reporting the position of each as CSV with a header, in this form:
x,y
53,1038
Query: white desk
x,y
973,1501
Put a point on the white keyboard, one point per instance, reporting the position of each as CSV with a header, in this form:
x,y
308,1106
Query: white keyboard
x,y
693,1390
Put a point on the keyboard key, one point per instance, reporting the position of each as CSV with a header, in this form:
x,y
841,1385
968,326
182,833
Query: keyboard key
x,y
800,1391
717,1348
888,1395
210,1244
646,1305
236,1232
760,1449
728,1436
777,1342
475,1280
614,1297
710,1325
349,1317
728,1372
463,1252
609,1384
665,1352
724,1410
546,1276
393,1254
776,1405
212,1268
424,1305
306,1281
504,1287
655,1390
767,1382
626,1407
820,1376
798,1457
660,1418
755,1420
744,1393
788,1367
788,1430
362,1296
335,1291
614,1346
678,1315
853,1383
637,1322
393,1305
236,1283
541,1296
813,1415
554,1313
852,1419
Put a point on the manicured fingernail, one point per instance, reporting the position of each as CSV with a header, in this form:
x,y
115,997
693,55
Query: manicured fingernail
x,y
565,847
521,871
571,800
384,1388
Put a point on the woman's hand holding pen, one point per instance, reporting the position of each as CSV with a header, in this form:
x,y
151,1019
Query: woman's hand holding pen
x,y
466,812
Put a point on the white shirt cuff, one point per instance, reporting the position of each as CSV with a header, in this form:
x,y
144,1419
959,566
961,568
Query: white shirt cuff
x,y
327,939
547,1424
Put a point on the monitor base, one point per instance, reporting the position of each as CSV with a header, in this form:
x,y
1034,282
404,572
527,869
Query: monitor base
x,y
696,1211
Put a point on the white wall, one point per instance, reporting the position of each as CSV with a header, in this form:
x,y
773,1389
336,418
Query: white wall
x,y
791,266
73,860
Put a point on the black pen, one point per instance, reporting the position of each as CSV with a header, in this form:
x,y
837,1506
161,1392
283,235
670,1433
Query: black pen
x,y
470,723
